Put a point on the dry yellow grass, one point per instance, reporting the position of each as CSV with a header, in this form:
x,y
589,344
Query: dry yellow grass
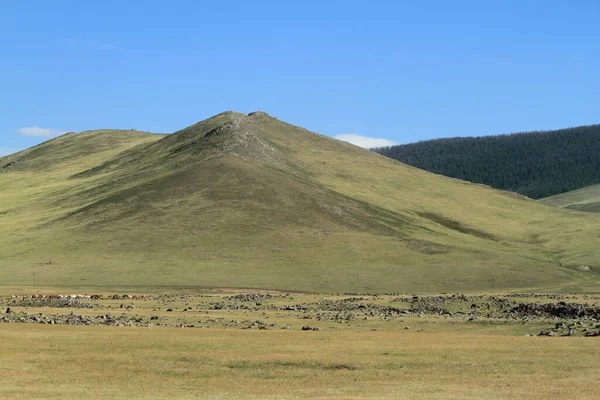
x,y
168,363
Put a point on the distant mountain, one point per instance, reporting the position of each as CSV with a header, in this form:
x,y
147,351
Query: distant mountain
x,y
534,164
247,200
585,199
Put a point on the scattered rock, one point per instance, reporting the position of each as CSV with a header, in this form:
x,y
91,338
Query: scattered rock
x,y
73,319
53,303
546,333
252,297
560,310
9,165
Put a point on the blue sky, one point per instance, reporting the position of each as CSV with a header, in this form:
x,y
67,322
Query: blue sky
x,y
399,70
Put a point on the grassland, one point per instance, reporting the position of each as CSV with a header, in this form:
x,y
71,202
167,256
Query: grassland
x,y
438,357
251,201
76,363
585,199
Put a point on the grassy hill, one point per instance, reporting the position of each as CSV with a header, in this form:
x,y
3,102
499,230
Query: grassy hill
x,y
250,201
535,164
585,199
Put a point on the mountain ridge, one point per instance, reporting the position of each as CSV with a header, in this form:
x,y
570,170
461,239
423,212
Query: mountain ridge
x,y
75,145
251,201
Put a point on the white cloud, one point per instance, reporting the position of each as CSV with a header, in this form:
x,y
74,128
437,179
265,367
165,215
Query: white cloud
x,y
40,132
364,141
6,151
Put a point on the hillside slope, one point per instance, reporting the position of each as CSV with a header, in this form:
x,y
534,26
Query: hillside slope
x,y
251,201
585,199
535,164
75,148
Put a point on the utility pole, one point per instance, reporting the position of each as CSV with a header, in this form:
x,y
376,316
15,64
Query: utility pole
x,y
357,276
33,279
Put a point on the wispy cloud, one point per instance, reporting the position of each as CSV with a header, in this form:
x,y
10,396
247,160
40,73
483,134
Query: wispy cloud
x,y
90,44
365,141
40,132
5,151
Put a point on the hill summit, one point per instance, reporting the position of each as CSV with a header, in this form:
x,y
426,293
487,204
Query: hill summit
x,y
247,200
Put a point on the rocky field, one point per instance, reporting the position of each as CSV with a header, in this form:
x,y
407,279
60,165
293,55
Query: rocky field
x,y
528,314
297,345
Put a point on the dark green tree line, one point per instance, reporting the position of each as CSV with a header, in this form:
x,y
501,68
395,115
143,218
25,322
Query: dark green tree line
x,y
535,164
